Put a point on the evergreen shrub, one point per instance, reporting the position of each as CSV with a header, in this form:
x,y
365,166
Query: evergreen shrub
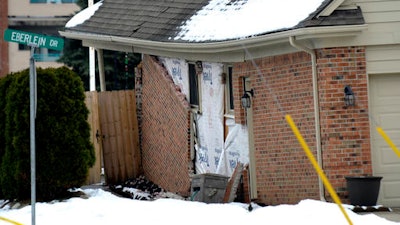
x,y
64,152
4,84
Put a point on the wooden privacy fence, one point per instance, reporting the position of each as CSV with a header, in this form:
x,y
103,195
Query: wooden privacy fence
x,y
115,135
92,103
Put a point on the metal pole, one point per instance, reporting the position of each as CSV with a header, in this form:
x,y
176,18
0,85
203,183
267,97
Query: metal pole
x,y
32,90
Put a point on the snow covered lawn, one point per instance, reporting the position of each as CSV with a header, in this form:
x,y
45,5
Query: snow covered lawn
x,y
104,208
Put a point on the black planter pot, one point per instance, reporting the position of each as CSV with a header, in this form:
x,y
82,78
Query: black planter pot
x,y
363,190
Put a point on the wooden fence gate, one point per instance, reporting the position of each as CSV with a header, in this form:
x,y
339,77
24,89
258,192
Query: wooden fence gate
x,y
114,134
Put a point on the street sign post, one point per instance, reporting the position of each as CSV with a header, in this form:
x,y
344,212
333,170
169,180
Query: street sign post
x,y
32,91
32,39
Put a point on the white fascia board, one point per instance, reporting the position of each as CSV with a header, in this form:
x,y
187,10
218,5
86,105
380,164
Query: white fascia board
x,y
223,47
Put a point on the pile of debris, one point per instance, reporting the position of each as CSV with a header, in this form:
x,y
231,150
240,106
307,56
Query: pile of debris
x,y
378,208
141,189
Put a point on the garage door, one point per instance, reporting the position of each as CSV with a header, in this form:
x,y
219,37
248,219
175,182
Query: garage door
x,y
385,110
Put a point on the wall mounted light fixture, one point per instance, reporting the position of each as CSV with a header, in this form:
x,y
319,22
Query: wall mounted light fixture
x,y
349,99
246,100
199,67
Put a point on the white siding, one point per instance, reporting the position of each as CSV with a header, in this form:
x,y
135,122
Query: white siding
x,y
19,60
383,19
383,59
382,39
25,8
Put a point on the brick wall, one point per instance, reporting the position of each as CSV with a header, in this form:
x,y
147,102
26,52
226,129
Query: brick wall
x,y
4,67
345,130
283,85
165,130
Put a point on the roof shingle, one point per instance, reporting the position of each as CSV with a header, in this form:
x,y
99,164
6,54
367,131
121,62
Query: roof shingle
x,y
142,19
161,20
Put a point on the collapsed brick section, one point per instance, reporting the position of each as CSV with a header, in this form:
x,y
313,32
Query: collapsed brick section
x,y
283,85
165,130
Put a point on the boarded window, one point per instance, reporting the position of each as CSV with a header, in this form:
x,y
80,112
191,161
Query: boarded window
x,y
229,84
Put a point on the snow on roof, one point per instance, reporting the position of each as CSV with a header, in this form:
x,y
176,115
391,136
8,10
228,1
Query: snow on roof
x,y
227,19
83,15
231,19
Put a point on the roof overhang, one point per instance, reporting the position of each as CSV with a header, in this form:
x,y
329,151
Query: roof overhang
x,y
223,51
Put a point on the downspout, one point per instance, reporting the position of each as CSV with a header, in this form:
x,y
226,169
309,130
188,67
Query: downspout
x,y
293,42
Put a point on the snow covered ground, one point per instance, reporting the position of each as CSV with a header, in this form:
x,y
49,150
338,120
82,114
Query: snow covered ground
x,y
104,208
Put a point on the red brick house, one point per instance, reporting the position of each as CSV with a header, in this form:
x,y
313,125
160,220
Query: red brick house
x,y
193,120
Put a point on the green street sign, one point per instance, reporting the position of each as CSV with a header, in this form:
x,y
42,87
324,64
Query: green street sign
x,y
36,40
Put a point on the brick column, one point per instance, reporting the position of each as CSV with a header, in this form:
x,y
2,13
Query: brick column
x,y
4,68
345,130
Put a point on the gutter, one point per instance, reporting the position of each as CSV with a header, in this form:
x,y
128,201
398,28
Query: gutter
x,y
292,40
165,48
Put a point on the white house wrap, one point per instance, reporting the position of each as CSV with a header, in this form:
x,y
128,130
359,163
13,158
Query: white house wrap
x,y
213,153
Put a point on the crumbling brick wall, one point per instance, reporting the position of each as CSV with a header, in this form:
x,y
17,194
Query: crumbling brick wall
x,y
165,129
4,67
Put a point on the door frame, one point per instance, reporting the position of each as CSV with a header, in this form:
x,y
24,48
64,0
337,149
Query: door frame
x,y
252,160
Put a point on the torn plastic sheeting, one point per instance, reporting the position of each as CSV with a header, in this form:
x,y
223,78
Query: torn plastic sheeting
x,y
178,69
235,148
211,120
213,155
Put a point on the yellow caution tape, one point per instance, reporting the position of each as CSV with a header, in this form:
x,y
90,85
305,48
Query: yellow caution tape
x,y
388,140
10,221
317,167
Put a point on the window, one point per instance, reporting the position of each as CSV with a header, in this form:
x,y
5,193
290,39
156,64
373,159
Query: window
x,y
53,1
46,55
193,85
230,88
229,91
23,47
195,72
42,54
